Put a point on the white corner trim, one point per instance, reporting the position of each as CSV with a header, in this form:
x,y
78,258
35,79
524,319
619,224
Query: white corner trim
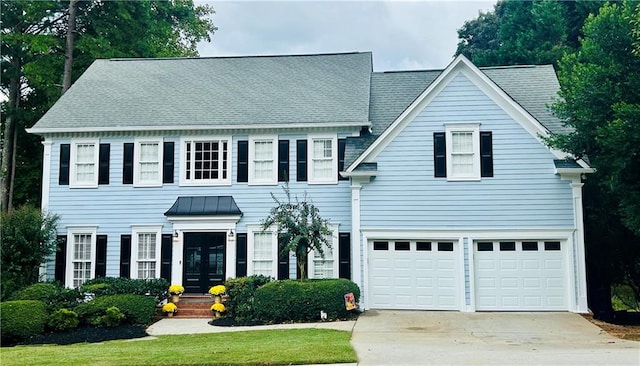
x,y
46,173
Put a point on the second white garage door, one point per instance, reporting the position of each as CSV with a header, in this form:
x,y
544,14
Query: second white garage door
x,y
421,275
520,275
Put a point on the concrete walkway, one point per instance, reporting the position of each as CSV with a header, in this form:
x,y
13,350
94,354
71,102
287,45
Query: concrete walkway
x,y
168,326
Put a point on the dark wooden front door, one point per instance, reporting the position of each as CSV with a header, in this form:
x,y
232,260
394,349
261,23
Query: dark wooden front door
x,y
204,260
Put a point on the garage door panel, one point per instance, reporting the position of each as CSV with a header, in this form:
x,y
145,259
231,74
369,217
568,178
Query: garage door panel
x,y
422,279
527,277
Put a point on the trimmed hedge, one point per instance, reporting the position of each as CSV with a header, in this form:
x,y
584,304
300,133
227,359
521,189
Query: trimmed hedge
x,y
63,320
241,291
119,286
22,319
51,293
138,309
293,300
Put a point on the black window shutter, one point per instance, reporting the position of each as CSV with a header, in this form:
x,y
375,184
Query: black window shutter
x,y
103,164
167,162
243,161
486,154
125,256
241,255
301,160
342,144
65,155
283,259
439,155
165,256
61,259
344,255
101,256
283,161
127,164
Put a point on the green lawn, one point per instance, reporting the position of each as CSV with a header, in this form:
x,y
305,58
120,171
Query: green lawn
x,y
260,347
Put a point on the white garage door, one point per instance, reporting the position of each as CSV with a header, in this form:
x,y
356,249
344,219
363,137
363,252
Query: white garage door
x,y
520,275
414,275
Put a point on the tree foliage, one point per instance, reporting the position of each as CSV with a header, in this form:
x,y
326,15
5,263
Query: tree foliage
x,y
600,100
524,32
28,238
33,54
300,227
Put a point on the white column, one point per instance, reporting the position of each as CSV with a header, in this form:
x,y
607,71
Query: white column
x,y
580,265
46,172
356,247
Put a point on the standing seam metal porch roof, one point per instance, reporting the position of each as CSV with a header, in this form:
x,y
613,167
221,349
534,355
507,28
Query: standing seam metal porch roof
x,y
204,206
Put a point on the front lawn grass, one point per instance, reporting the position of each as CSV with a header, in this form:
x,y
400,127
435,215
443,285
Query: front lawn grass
x,y
260,347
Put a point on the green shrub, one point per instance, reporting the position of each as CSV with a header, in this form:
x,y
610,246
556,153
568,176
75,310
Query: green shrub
x,y
623,298
63,320
138,309
113,317
119,286
292,300
22,319
241,291
51,293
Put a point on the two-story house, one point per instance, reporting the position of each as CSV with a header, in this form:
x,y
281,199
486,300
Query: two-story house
x,y
440,191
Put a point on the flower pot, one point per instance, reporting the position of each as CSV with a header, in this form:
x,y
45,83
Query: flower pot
x,y
175,299
170,315
217,314
217,299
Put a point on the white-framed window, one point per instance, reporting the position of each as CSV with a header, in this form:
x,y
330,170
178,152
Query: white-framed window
x,y
326,267
145,252
463,153
262,250
83,167
148,163
263,160
323,153
206,161
81,255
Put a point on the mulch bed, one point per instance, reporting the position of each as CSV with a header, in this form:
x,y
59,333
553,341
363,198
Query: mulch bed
x,y
628,326
87,335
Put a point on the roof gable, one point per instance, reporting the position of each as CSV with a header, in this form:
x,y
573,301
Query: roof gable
x,y
460,65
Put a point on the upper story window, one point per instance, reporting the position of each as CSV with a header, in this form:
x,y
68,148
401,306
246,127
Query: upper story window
x,y
263,160
463,153
206,161
148,163
323,152
84,164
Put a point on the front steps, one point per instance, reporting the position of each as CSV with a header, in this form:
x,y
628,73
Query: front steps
x,y
194,306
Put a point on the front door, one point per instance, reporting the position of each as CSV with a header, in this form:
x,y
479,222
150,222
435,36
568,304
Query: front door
x,y
204,259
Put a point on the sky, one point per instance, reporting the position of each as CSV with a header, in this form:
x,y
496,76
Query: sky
x,y
403,35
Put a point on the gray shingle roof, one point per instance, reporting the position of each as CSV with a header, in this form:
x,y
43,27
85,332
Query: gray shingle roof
x,y
307,89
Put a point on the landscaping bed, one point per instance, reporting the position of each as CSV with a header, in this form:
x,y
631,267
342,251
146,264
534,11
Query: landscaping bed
x,y
630,330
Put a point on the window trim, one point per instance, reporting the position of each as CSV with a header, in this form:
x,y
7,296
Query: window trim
x,y
273,180
251,231
474,129
335,266
137,150
71,232
135,231
208,182
73,160
333,177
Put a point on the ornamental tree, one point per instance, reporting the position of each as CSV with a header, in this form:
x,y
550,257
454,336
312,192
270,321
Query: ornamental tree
x,y
300,228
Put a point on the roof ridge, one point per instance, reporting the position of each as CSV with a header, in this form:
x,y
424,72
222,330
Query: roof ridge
x,y
120,59
513,67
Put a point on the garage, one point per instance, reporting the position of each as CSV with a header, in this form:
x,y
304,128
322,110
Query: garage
x,y
520,275
424,275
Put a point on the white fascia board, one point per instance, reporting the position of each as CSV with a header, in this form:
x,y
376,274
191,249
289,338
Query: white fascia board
x,y
569,171
358,174
216,218
248,127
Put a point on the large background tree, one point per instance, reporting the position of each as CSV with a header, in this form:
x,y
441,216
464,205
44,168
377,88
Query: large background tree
x,y
33,48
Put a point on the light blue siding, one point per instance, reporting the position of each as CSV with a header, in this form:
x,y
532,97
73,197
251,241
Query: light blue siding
x,y
524,192
115,207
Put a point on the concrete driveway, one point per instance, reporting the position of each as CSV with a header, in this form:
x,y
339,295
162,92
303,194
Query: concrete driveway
x,y
451,338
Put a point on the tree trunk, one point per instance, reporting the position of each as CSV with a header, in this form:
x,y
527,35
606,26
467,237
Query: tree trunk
x,y
68,55
9,139
301,265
